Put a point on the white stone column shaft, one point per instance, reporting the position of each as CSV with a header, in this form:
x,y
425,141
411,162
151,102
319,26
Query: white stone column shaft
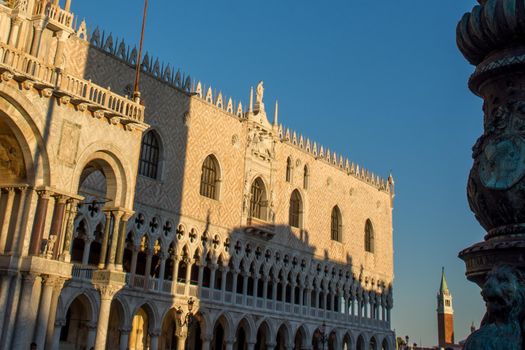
x,y
4,230
48,284
24,323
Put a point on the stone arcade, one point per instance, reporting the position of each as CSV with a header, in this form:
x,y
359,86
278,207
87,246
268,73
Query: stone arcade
x,y
189,223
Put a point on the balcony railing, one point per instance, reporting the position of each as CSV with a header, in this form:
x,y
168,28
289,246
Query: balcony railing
x,y
82,273
294,310
54,13
80,90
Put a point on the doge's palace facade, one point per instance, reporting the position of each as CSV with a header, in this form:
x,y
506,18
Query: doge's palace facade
x,y
178,220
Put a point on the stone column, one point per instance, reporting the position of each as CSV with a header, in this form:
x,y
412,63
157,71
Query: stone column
x,y
265,287
308,297
124,338
52,335
181,341
201,274
206,343
154,340
175,274
213,269
14,32
162,270
274,291
249,346
87,247
301,295
255,286
105,239
8,214
283,292
48,285
188,277
114,239
67,7
292,293
24,324
5,286
234,289
70,228
40,223
229,345
316,299
55,334
122,241
134,257
62,37
92,335
57,222
245,276
224,273
37,38
147,272
106,296
19,232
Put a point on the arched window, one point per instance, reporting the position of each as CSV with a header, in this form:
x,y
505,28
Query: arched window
x,y
210,178
369,236
149,155
296,209
289,170
306,176
337,225
258,201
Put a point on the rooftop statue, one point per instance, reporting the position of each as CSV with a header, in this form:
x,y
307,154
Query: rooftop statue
x,y
260,93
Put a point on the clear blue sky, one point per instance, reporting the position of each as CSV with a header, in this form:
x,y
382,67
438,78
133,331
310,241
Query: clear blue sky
x,y
380,81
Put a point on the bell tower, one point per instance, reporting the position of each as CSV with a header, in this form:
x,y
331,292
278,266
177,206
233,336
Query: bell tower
x,y
445,314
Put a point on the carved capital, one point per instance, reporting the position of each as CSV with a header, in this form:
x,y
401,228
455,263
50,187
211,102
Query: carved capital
x,y
107,292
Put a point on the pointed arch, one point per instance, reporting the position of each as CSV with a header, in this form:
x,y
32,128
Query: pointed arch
x,y
210,178
150,155
289,169
258,200
336,226
306,177
369,236
296,210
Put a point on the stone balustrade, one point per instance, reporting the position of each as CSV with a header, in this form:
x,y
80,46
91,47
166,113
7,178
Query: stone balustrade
x,y
84,93
54,14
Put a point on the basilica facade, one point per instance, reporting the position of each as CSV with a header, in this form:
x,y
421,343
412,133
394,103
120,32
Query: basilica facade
x,y
180,219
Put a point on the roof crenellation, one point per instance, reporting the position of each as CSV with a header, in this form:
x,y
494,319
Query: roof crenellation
x,y
166,74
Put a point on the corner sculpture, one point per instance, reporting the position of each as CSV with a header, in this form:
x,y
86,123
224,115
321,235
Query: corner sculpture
x,y
492,37
501,328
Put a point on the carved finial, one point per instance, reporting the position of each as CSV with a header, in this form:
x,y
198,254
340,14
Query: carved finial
x,y
250,108
276,117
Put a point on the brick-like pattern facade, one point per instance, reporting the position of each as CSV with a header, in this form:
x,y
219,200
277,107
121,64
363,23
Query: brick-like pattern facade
x,y
115,247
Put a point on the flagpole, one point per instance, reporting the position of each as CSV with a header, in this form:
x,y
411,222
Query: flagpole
x,y
136,92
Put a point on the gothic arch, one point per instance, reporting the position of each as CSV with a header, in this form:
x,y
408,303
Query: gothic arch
x,y
226,321
156,135
153,315
249,328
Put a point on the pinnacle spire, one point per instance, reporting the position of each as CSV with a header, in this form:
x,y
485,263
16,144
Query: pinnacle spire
x,y
444,287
